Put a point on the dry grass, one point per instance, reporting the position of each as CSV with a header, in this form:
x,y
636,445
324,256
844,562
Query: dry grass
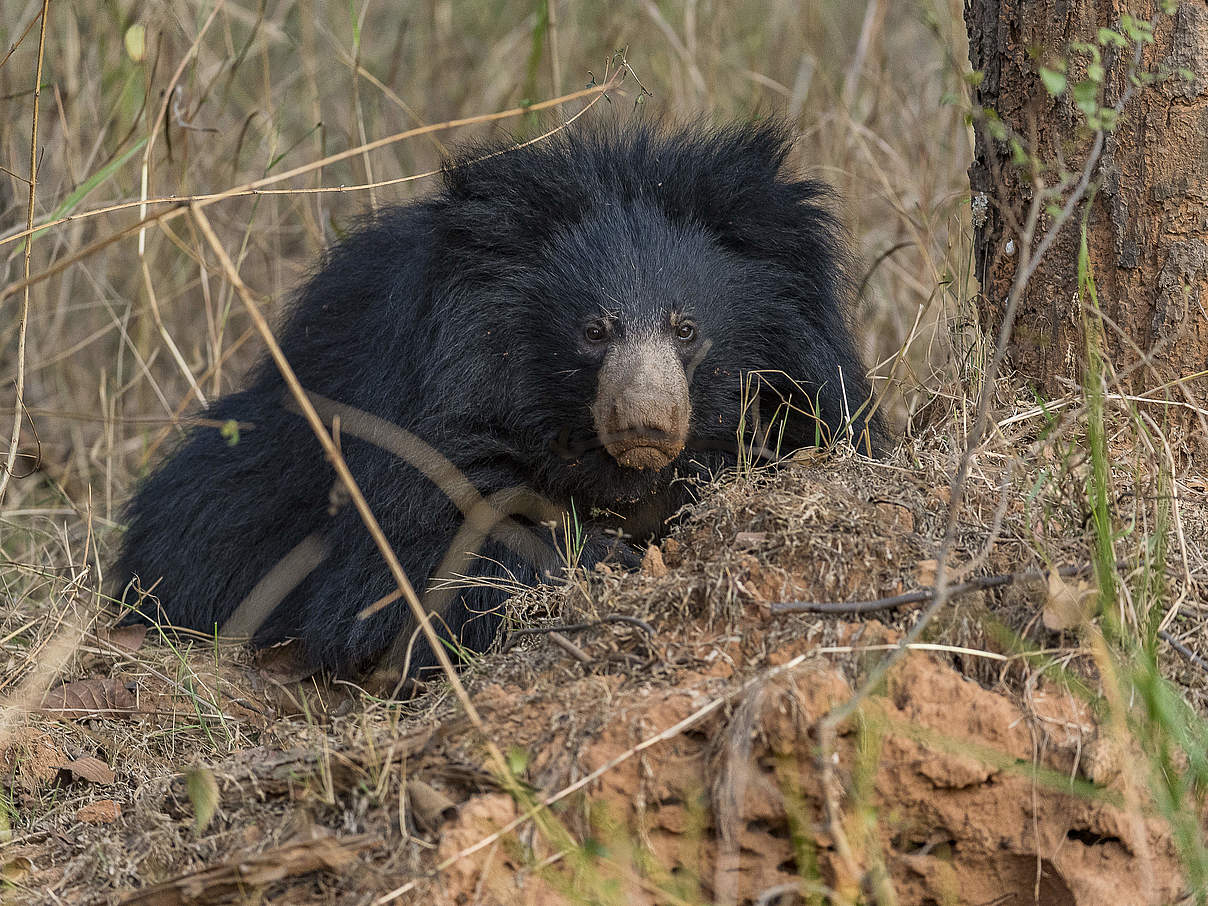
x,y
130,330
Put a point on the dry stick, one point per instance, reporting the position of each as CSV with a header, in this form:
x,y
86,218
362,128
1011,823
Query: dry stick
x,y
145,169
921,595
358,107
256,187
337,460
41,15
677,44
10,462
578,627
1183,649
570,647
402,104
874,18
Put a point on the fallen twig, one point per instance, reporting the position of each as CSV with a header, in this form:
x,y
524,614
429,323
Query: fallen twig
x,y
570,647
923,595
578,627
253,871
1183,650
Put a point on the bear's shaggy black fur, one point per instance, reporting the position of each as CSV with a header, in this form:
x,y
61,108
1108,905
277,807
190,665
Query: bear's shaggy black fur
x,y
501,322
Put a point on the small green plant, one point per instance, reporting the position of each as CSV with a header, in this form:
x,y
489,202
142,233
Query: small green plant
x,y
1103,550
573,538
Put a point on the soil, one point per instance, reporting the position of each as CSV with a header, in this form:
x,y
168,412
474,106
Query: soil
x,y
700,748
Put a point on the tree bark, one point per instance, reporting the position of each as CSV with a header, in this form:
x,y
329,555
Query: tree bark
x,y
1147,222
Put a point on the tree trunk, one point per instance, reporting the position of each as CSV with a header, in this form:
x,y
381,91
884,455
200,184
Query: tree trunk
x,y
1147,223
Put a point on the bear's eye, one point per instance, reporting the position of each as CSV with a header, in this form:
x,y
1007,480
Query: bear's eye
x,y
686,333
596,332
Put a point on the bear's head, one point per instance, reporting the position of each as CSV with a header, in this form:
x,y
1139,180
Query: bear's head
x,y
645,300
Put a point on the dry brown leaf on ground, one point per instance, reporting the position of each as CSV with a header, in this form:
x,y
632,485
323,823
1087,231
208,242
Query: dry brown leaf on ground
x,y
96,696
129,638
14,869
1068,603
89,769
750,539
238,875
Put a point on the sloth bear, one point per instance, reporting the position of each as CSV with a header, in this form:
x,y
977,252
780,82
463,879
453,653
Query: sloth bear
x,y
576,330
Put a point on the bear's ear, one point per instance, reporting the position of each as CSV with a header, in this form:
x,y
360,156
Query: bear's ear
x,y
723,172
735,182
501,202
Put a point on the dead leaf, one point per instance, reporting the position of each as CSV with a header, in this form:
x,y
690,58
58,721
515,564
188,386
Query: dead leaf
x,y
102,811
1068,604
89,769
1104,761
96,696
807,455
203,793
233,878
129,638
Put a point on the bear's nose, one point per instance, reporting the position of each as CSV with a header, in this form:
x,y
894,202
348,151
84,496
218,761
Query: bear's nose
x,y
642,407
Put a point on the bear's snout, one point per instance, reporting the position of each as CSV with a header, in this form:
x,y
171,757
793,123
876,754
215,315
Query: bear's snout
x,y
642,407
